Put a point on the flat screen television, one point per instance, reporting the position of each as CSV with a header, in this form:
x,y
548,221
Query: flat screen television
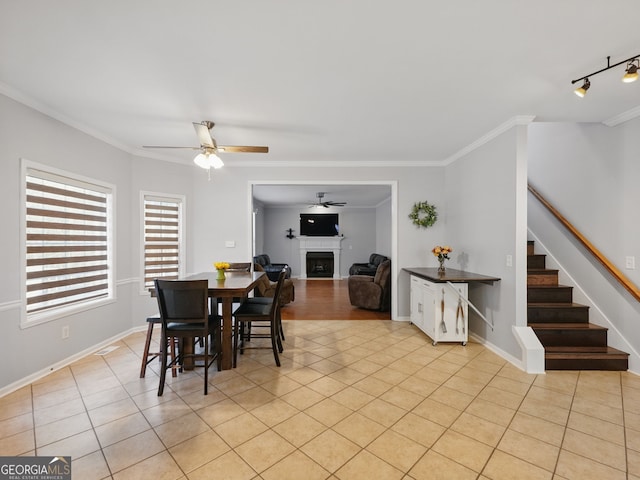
x,y
319,224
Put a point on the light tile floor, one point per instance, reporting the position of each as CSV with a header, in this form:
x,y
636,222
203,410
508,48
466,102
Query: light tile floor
x,y
352,400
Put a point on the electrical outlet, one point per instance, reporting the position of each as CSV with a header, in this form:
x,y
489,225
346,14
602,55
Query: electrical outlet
x,y
630,263
509,261
230,244
65,331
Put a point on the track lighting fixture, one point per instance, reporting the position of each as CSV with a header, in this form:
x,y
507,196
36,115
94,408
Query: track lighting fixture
x,y
631,74
581,91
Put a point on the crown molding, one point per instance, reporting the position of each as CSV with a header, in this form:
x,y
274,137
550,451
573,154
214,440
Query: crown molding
x,y
622,117
514,121
47,110
496,132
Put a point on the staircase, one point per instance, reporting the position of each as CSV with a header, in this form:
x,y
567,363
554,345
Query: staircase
x,y
570,341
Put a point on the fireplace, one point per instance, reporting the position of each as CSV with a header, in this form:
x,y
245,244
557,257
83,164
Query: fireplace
x,y
325,246
319,264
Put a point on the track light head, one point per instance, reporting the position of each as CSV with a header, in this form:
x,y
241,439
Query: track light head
x,y
582,91
631,73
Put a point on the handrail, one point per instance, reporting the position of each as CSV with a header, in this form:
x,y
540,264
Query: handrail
x,y
611,268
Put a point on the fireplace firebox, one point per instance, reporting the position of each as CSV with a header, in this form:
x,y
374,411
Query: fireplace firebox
x,y
319,264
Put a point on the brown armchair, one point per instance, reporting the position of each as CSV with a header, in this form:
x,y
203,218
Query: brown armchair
x,y
267,288
372,293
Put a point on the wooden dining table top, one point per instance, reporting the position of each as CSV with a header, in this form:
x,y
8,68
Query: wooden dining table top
x,y
236,283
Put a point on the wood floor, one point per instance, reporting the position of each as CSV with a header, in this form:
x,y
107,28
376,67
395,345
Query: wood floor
x,y
326,300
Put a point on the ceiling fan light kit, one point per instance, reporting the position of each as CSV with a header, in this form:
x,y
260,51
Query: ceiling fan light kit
x,y
208,158
630,75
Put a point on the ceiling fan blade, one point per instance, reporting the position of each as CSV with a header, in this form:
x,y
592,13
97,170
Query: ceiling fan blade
x,y
204,135
164,146
242,149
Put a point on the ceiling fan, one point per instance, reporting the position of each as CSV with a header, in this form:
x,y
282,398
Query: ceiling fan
x,y
209,149
320,203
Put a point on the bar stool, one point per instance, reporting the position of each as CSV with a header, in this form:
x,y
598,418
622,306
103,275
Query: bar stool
x,y
151,321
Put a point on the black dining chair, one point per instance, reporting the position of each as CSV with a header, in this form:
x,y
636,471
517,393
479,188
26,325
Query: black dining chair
x,y
259,320
184,313
147,355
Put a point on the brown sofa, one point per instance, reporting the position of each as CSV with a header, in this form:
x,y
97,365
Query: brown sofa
x,y
372,293
267,288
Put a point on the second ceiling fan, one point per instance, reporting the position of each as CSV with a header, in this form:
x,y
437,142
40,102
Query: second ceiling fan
x,y
209,149
326,204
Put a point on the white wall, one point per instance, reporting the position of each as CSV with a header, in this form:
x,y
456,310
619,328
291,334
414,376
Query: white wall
x,y
589,172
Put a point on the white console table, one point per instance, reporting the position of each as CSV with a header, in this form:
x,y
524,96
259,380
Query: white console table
x,y
320,244
439,302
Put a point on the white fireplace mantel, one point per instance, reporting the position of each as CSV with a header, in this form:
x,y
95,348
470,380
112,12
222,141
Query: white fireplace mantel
x,y
320,244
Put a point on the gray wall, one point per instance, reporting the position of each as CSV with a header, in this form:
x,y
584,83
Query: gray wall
x,y
357,225
219,211
483,224
589,173
25,133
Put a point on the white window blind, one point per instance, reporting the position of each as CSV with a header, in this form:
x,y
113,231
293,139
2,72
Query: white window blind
x,y
162,248
67,238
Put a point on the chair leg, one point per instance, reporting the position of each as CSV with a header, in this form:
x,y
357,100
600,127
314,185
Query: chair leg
x,y
280,325
278,329
145,354
275,338
206,364
236,334
218,346
174,366
163,367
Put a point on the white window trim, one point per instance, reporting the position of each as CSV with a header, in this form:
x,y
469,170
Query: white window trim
x,y
31,320
182,201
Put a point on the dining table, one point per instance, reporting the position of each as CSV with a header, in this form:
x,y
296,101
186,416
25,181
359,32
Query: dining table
x,y
236,286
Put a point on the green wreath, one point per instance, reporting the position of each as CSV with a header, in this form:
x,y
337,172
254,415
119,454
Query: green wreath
x,y
423,214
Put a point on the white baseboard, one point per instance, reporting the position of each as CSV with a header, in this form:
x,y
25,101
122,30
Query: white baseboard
x,y
23,382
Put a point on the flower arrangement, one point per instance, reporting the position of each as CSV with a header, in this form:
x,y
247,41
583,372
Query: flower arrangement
x,y
221,267
443,254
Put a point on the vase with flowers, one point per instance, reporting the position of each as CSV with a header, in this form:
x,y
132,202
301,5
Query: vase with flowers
x,y
221,267
443,254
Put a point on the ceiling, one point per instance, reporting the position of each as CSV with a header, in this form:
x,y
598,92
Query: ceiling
x,y
338,82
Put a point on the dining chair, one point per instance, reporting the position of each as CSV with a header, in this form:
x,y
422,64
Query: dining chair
x,y
147,356
184,313
262,316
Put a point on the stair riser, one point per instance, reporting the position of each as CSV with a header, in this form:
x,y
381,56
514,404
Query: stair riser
x,y
549,295
530,247
611,364
542,278
557,315
536,261
572,338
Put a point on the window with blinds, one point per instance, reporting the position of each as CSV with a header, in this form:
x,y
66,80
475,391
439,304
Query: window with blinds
x,y
67,241
162,238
